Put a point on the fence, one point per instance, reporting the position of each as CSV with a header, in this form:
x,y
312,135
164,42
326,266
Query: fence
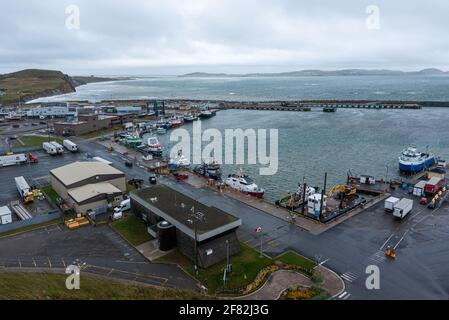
x,y
53,214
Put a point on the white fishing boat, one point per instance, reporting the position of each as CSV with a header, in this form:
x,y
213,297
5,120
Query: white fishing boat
x,y
244,184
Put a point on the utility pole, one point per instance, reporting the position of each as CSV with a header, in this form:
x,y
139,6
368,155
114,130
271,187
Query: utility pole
x,y
323,192
196,217
304,188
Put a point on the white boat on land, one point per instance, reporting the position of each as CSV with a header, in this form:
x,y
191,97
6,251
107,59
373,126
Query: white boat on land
x,y
180,160
154,145
245,184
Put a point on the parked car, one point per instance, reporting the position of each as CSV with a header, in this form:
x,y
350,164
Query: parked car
x,y
129,164
423,201
152,179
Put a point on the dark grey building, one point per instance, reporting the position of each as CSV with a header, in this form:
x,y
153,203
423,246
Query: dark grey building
x,y
213,228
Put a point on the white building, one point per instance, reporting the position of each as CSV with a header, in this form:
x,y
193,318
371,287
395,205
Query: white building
x,y
46,112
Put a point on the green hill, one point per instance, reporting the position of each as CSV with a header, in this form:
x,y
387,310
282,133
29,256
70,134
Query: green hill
x,y
33,83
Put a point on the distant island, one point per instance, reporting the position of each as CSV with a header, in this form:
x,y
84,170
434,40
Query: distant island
x,y
318,73
31,84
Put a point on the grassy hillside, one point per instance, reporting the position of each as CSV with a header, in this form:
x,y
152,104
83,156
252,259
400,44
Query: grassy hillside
x,y
32,83
35,286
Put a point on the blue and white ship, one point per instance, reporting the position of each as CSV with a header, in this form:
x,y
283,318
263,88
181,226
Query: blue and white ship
x,y
411,160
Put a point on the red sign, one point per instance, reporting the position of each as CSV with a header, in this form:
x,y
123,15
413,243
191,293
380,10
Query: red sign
x,y
259,229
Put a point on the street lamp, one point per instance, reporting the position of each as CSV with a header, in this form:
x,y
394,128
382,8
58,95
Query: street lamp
x,y
195,218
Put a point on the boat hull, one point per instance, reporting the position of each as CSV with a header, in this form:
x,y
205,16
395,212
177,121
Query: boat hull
x,y
256,194
416,167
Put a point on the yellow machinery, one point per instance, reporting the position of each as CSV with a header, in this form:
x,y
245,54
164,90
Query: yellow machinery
x,y
76,223
345,190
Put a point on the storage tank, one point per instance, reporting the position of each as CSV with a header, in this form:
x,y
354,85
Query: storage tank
x,y
166,235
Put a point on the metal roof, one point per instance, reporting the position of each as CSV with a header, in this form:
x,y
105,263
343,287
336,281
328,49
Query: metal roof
x,y
79,171
176,208
89,191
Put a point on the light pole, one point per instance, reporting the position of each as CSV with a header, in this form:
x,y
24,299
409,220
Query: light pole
x,y
196,217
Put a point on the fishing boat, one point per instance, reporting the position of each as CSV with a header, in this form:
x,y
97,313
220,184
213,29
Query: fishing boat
x,y
206,113
175,122
190,117
154,146
294,200
411,160
162,123
161,130
208,171
244,184
180,161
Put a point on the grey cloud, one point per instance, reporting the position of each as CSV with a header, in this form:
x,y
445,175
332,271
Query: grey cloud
x,y
170,36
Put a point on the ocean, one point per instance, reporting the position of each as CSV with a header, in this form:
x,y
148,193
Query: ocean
x,y
427,88
310,143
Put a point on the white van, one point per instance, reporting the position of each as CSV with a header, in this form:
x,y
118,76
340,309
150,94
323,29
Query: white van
x,y
124,206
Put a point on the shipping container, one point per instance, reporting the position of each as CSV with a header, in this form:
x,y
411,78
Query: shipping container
x,y
390,203
402,208
49,148
72,147
13,159
418,189
59,148
5,215
434,185
24,189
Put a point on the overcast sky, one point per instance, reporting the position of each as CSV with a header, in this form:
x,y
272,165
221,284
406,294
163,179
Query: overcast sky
x,y
144,37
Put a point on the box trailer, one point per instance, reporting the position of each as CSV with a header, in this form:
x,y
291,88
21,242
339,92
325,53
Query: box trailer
x,y
418,189
59,148
72,147
11,160
403,208
5,215
49,148
390,203
24,189
434,185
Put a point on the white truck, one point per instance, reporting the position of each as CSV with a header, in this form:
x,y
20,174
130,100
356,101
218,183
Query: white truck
x,y
24,189
402,208
59,148
124,206
14,159
72,147
390,203
49,148
5,215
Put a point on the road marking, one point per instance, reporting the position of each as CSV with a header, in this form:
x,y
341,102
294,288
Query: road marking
x,y
349,276
342,295
49,262
20,263
385,243
347,296
63,262
400,240
34,262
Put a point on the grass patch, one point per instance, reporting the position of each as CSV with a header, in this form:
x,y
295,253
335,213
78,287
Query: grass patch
x,y
35,286
132,229
29,228
34,141
295,259
245,268
50,193
130,187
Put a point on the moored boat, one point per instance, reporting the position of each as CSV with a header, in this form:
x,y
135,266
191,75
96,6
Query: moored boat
x,y
411,160
244,184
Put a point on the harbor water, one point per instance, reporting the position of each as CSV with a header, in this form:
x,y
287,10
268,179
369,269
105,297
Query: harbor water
x,y
312,143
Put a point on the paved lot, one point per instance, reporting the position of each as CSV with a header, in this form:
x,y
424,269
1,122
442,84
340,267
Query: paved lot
x,y
419,272
99,249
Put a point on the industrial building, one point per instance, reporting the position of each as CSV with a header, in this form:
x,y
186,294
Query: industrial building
x,y
202,233
89,185
50,112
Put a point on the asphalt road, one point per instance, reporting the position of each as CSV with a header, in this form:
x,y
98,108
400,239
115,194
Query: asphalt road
x,y
98,250
419,272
